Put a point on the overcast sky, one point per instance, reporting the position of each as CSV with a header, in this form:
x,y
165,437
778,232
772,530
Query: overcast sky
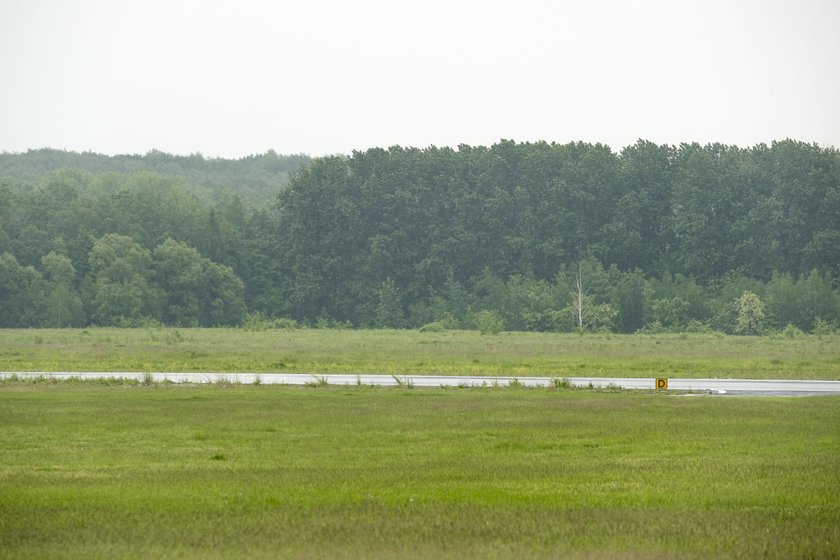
x,y
234,78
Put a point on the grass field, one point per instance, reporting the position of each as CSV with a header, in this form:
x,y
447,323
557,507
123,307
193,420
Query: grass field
x,y
120,471
412,352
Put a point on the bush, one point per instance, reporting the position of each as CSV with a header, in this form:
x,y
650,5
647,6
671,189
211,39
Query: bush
x,y
791,331
558,383
327,322
488,322
824,327
284,323
695,326
654,327
442,322
256,321
436,326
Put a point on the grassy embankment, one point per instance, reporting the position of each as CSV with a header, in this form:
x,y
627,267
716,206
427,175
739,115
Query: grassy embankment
x,y
411,352
121,471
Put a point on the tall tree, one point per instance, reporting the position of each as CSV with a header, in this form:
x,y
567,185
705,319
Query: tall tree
x,y
120,289
750,313
63,304
22,293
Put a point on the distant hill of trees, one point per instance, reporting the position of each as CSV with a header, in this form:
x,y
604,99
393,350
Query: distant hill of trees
x,y
256,178
525,236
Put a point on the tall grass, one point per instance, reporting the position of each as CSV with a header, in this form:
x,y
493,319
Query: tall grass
x,y
404,353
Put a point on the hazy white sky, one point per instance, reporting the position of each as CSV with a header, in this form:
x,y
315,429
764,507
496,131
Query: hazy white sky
x,y
233,78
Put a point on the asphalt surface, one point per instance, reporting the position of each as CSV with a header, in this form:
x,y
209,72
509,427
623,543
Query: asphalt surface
x,y
722,387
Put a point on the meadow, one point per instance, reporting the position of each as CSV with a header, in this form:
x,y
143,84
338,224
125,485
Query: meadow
x,y
411,352
221,471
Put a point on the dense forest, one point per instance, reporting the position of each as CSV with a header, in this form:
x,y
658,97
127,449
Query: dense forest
x,y
517,236
255,178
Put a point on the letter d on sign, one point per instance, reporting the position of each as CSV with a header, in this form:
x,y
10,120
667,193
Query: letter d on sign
x,y
661,383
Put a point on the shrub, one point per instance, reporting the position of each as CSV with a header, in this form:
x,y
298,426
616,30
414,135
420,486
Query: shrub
x,y
255,321
434,327
654,327
791,331
824,327
557,383
695,326
488,322
284,323
327,322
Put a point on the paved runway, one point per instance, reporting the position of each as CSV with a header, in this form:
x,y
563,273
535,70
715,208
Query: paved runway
x,y
733,387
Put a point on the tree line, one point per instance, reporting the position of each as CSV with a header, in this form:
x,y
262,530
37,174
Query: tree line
x,y
520,236
256,178
127,286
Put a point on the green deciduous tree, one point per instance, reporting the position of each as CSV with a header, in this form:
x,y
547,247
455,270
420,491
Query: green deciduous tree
x,y
120,288
750,313
389,310
63,303
629,301
22,294
195,290
225,294
671,313
179,274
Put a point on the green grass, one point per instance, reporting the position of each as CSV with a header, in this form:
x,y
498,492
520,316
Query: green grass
x,y
133,471
411,352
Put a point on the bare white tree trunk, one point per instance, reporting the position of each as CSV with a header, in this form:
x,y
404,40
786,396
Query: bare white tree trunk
x,y
580,300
